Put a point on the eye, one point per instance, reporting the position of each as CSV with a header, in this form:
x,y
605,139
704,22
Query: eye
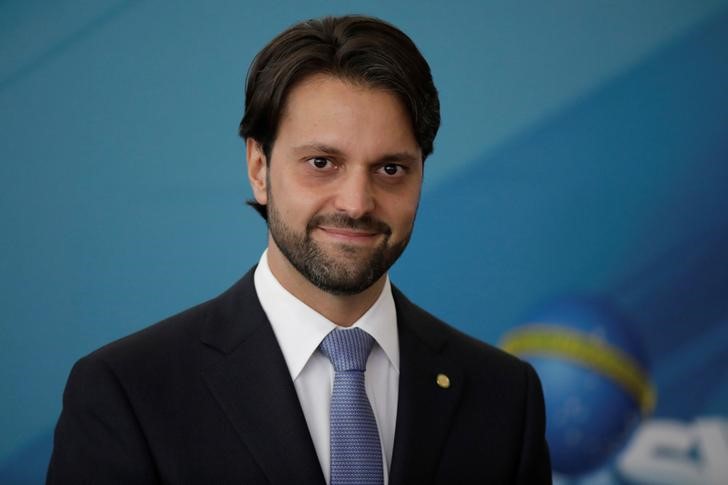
x,y
392,169
319,162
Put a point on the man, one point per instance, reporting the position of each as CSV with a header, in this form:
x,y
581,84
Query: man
x,y
313,368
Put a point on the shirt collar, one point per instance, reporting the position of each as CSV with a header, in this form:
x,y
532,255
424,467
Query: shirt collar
x,y
300,329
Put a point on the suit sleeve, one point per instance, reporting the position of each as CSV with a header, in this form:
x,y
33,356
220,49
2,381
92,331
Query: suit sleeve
x,y
535,465
98,439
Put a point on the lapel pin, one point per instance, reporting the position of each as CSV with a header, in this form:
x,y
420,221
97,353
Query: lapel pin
x,y
443,381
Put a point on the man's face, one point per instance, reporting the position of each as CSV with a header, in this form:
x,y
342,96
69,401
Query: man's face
x,y
343,184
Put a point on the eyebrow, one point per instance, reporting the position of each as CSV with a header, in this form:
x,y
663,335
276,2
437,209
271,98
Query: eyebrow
x,y
403,156
318,147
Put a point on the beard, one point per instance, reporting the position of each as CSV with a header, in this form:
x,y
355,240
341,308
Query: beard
x,y
353,269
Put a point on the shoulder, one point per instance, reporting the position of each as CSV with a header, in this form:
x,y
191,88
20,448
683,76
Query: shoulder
x,y
187,339
158,341
500,397
476,357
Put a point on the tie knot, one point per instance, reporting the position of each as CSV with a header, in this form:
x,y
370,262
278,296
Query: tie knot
x,y
347,349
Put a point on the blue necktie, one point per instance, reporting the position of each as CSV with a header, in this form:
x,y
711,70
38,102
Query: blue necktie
x,y
356,454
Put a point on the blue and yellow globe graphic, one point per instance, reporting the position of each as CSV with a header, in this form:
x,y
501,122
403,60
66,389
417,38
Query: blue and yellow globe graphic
x,y
595,379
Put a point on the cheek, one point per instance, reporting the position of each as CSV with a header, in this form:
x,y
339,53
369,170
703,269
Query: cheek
x,y
401,217
295,207
294,185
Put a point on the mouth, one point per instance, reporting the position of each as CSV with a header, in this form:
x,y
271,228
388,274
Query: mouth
x,y
345,231
348,235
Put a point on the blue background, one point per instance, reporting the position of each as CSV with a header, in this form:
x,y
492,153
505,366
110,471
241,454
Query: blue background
x,y
583,150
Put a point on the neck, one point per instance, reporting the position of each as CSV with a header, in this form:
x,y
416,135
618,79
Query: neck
x,y
343,310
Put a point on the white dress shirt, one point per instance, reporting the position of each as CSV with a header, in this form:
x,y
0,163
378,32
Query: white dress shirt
x,y
299,330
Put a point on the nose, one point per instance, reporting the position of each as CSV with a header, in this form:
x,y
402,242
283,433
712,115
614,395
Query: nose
x,y
354,195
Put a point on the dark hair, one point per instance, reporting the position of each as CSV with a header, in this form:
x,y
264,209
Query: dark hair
x,y
357,48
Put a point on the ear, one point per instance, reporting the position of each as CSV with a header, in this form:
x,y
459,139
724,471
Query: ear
x,y
257,170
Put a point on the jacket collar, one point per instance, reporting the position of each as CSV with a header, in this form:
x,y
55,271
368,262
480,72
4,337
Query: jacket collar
x,y
425,408
253,386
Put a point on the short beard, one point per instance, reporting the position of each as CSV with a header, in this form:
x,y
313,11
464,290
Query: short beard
x,y
326,272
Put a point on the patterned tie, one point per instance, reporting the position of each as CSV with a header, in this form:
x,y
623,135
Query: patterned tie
x,y
356,454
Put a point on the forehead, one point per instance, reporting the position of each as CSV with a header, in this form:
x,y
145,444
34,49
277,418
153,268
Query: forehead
x,y
326,91
339,112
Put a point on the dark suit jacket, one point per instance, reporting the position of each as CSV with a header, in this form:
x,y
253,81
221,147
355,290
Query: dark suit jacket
x,y
205,397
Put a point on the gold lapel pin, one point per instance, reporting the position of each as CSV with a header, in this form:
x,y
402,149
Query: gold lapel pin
x,y
443,381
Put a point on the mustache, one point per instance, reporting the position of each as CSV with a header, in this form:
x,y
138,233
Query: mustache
x,y
364,223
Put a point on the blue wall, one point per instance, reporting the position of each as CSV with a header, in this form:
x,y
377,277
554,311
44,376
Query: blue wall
x,y
584,149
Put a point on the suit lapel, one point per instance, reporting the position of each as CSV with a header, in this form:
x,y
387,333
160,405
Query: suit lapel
x,y
251,383
425,409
